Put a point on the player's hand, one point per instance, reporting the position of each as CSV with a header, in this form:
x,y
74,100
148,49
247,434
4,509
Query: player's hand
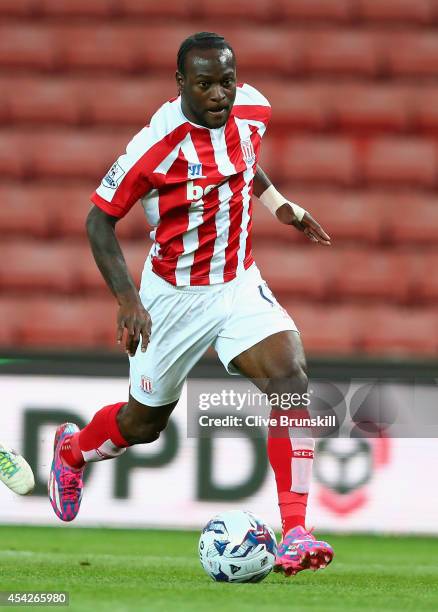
x,y
133,318
307,225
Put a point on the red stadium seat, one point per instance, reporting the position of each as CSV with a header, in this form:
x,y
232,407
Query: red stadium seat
x,y
424,108
70,217
371,275
11,318
134,226
345,215
101,47
127,102
43,211
316,10
403,332
318,159
268,41
5,111
299,272
17,8
402,161
96,8
69,210
62,323
413,219
72,154
36,265
393,11
422,270
15,154
327,329
132,48
180,9
412,53
263,10
88,275
301,106
341,52
271,153
135,253
40,100
358,150
266,226
89,278
352,216
136,48
24,211
369,106
27,46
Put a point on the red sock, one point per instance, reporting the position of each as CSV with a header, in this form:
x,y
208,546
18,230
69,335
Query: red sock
x,y
291,459
100,439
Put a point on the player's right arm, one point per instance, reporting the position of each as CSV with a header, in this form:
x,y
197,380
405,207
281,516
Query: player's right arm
x,y
128,179
109,258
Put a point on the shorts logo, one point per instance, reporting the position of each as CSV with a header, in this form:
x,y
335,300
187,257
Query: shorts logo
x,y
248,151
194,171
114,176
146,384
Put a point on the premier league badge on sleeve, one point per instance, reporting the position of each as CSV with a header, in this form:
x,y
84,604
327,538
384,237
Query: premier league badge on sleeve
x,y
114,176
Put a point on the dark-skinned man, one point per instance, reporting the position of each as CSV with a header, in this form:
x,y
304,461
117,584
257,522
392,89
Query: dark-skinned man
x,y
194,168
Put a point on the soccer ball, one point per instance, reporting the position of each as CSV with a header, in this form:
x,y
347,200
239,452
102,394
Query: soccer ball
x,y
236,546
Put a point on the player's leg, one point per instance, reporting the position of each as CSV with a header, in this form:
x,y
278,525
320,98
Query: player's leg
x,y
277,366
15,472
112,429
183,325
262,342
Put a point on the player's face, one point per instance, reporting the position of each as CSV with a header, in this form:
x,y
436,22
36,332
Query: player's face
x,y
208,88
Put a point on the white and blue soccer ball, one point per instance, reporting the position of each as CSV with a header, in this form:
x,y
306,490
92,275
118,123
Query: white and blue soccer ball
x,y
236,546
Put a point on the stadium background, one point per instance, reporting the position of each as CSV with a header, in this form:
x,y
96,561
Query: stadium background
x,y
353,138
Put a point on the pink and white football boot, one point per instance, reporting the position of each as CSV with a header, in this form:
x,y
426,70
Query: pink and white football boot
x,y
299,550
65,484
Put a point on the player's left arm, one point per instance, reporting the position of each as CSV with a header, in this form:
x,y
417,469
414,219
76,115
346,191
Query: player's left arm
x,y
287,212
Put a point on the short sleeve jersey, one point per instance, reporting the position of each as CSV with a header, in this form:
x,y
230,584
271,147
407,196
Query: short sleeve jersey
x,y
195,185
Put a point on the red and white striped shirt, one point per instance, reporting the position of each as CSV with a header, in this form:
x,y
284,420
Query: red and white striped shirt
x,y
195,185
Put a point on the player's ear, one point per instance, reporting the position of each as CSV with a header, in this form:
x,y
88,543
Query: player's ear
x,y
179,81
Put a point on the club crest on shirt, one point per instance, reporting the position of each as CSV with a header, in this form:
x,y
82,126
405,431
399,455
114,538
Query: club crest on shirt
x,y
248,151
113,176
194,171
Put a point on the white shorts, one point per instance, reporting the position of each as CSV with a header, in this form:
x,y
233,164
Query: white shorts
x,y
231,316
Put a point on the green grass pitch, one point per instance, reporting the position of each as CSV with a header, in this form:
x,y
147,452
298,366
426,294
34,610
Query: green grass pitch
x,y
136,570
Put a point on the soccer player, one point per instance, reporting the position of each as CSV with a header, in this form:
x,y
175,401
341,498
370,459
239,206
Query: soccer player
x,y
194,168
15,472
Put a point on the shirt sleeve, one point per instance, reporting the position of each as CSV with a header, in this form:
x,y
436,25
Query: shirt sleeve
x,y
251,104
129,178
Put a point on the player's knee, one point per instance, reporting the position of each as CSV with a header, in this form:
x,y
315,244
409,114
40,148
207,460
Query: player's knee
x,y
140,424
290,378
148,432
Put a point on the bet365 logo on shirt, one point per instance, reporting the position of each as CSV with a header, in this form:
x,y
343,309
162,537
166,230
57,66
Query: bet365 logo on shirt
x,y
196,192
